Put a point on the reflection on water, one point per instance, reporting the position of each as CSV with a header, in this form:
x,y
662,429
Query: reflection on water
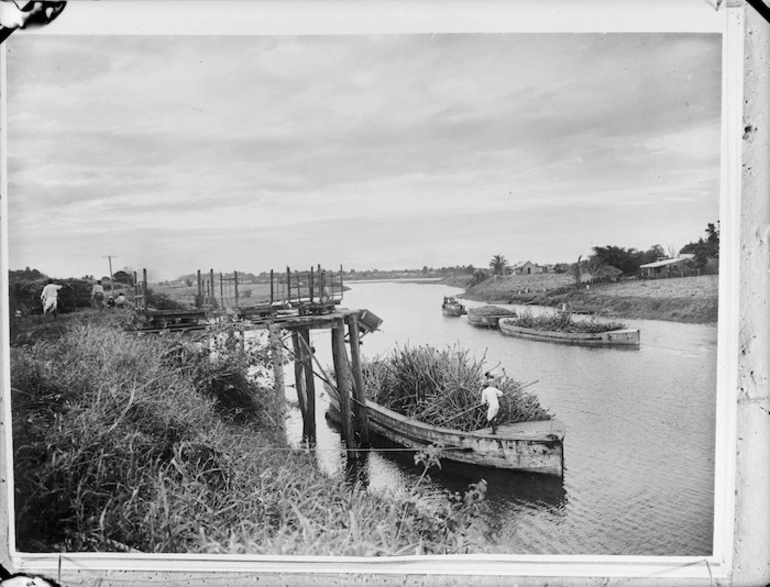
x,y
639,448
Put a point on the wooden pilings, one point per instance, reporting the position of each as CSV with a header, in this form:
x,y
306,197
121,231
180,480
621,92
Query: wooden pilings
x,y
359,405
304,381
339,358
299,378
309,383
276,353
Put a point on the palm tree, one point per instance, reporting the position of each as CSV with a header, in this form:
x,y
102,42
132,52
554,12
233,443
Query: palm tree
x,y
498,264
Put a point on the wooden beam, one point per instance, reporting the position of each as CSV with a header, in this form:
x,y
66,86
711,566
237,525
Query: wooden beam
x,y
212,291
309,384
144,289
299,377
312,284
359,406
339,356
276,354
235,274
199,299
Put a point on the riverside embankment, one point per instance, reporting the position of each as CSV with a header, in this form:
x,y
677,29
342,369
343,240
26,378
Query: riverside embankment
x,y
685,299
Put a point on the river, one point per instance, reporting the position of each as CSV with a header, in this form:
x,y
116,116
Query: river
x,y
639,447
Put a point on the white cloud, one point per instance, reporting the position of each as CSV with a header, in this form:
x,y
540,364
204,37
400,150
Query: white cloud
x,y
200,145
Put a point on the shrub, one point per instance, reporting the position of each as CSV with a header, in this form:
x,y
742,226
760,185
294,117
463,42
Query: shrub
x,y
104,421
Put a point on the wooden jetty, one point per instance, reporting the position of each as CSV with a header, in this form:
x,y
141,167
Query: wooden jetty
x,y
220,297
298,302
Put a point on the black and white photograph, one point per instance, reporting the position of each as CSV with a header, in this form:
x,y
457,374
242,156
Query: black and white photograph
x,y
365,295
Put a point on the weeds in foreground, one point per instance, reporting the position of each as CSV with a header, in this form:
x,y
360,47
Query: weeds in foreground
x,y
121,444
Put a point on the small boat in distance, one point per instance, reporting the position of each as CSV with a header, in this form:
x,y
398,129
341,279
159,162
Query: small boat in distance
x,y
534,447
451,306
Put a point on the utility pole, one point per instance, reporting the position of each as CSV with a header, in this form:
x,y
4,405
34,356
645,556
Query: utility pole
x,y
112,281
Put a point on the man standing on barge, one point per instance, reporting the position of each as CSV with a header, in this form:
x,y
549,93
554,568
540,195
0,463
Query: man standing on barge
x,y
490,396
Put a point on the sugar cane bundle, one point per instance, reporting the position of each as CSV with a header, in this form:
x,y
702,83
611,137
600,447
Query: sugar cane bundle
x,y
563,322
492,311
441,387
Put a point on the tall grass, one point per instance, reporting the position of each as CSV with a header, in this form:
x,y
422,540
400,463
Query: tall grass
x,y
441,387
134,442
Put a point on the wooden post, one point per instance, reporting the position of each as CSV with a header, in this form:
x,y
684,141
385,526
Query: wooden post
x,y
235,274
311,284
212,291
276,353
299,377
309,384
288,283
144,288
199,299
221,291
359,406
272,293
339,355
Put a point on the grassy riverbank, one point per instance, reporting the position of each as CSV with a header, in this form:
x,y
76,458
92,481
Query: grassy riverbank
x,y
126,442
686,299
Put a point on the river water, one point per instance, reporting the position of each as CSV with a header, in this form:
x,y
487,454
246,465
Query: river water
x,y
639,447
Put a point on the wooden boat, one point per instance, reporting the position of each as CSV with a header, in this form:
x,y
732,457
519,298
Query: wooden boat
x,y
476,318
534,447
452,307
626,337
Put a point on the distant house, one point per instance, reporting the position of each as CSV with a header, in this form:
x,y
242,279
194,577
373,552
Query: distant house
x,y
675,267
526,268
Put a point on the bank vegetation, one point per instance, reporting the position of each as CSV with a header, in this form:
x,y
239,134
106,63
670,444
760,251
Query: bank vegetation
x,y
128,442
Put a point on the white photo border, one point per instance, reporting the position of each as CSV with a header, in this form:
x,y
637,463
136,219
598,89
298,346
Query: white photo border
x,y
380,16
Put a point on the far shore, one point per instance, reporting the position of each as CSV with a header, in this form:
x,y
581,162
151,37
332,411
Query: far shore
x,y
678,299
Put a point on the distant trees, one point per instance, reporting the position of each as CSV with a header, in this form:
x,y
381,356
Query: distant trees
x,y
478,276
497,264
26,274
703,249
627,260
122,276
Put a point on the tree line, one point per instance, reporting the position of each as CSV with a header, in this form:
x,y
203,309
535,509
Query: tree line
x,y
629,260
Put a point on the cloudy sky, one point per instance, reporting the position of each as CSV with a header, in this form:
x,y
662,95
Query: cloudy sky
x,y
178,153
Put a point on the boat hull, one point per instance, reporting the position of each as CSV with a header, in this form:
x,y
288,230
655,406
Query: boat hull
x,y
453,311
628,337
483,321
535,447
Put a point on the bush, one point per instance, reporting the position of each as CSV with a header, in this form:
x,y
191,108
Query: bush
x,y
109,420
